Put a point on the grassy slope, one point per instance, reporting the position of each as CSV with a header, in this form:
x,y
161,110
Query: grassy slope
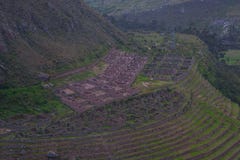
x,y
29,100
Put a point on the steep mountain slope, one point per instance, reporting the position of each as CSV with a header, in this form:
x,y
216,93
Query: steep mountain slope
x,y
221,17
216,20
181,14
117,7
48,36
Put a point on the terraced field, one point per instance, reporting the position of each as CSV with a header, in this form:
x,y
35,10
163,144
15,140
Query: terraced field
x,y
196,135
185,120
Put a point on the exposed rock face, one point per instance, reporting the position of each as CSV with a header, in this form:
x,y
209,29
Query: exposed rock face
x,y
43,76
41,35
52,155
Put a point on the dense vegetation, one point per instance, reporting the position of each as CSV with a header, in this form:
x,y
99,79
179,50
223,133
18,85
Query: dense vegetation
x,y
224,77
218,72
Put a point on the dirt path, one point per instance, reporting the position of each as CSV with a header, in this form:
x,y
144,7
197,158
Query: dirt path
x,y
74,71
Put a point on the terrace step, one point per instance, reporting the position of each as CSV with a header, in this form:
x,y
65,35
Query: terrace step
x,y
232,145
168,142
183,149
170,138
235,155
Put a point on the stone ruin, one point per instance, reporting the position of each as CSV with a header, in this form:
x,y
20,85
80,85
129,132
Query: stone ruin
x,y
169,67
113,84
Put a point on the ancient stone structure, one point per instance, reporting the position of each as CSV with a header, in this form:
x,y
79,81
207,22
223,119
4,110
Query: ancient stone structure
x,y
113,84
169,67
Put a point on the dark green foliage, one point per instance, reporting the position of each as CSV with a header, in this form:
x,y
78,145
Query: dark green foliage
x,y
223,77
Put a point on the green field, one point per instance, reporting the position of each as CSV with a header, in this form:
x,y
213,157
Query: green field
x,y
29,100
232,57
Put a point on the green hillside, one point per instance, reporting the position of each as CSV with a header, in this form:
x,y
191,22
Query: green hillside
x,y
50,36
